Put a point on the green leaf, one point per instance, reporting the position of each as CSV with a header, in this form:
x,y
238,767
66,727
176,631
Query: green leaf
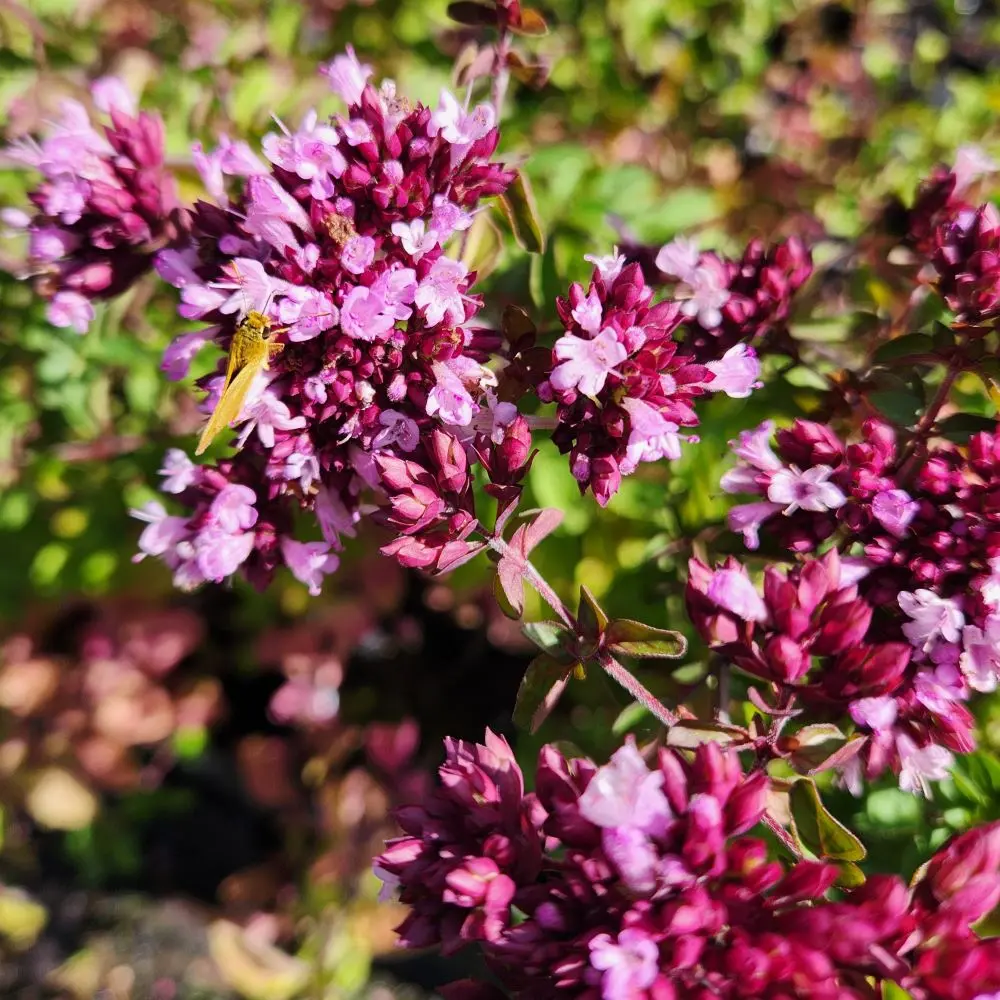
x,y
543,674
893,991
908,346
851,876
629,717
817,829
482,247
549,637
898,405
690,733
625,637
518,203
961,426
591,616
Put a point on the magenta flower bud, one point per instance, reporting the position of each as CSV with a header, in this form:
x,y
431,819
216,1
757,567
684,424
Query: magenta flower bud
x,y
788,661
452,465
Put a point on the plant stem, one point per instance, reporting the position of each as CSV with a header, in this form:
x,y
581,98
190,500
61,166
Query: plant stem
x,y
637,689
536,580
609,664
922,431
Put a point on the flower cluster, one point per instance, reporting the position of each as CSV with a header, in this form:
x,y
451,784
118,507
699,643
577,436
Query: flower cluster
x,y
959,241
625,376
817,641
106,203
336,238
928,532
629,881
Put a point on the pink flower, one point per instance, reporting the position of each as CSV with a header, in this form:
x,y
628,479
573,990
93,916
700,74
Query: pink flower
x,y
980,659
334,518
251,286
748,517
358,254
219,555
810,490
439,296
921,765
309,562
265,412
932,617
588,314
70,309
607,267
233,510
178,470
679,258
347,76
306,312
364,314
181,351
456,125
737,372
971,163
651,435
449,400
894,510
311,153
732,590
399,431
163,531
586,364
110,94
625,793
878,714
630,965
415,238
447,218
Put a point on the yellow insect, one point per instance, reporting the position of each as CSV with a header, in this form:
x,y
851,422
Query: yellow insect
x,y
249,353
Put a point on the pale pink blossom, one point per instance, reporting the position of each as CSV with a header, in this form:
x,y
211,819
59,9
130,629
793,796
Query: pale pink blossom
x,y
737,372
971,163
894,510
651,436
809,490
585,363
347,76
630,964
608,267
932,618
679,258
589,314
70,309
878,714
309,562
626,793
458,126
265,412
438,294
415,238
733,591
178,470
922,765
398,431
181,351
358,254
748,517
980,659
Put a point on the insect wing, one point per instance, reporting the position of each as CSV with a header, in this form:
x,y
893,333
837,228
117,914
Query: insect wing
x,y
230,403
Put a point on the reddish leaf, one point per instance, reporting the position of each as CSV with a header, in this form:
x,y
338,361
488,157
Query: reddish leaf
x,y
512,567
